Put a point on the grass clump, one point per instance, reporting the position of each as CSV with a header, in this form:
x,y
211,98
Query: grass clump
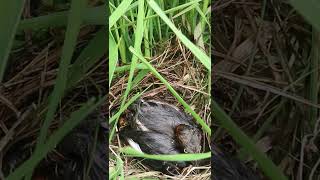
x,y
156,55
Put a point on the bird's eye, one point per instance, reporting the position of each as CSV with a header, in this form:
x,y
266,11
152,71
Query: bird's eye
x,y
185,151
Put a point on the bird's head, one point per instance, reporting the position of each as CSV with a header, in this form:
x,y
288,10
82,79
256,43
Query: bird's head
x,y
189,138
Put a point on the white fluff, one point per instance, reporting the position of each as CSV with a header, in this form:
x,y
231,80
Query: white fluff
x,y
134,145
141,126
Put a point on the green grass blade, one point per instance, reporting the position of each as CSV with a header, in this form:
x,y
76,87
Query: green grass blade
x,y
94,16
309,9
269,168
88,57
171,10
127,68
118,170
203,17
10,14
197,52
113,57
137,45
128,151
121,110
121,10
74,22
184,11
170,88
75,118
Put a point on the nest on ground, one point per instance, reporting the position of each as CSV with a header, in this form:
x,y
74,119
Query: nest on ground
x,y
256,58
189,78
29,80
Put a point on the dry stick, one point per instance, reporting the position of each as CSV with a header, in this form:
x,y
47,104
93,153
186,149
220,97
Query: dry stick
x,y
251,59
313,171
264,87
303,144
9,135
284,90
240,91
316,131
217,6
284,63
263,128
9,104
314,76
235,60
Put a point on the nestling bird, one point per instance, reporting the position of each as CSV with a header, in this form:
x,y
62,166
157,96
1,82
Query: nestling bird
x,y
156,127
81,143
85,144
225,167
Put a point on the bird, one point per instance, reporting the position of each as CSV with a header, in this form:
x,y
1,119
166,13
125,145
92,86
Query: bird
x,y
71,156
86,144
156,127
226,167
81,144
